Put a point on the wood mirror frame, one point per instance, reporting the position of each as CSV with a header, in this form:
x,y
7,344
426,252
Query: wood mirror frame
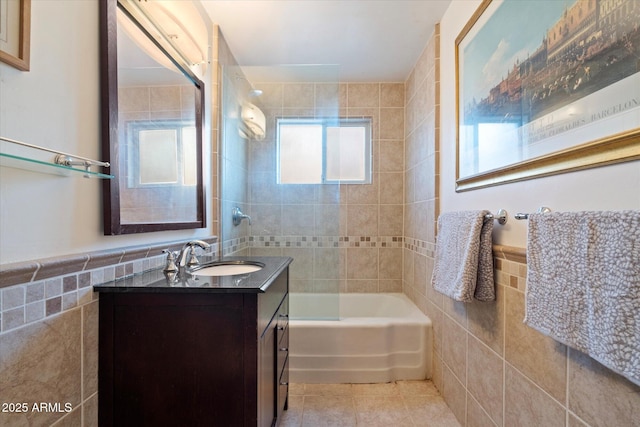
x,y
113,149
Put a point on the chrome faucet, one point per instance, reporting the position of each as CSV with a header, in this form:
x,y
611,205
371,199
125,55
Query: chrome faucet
x,y
191,246
177,261
238,216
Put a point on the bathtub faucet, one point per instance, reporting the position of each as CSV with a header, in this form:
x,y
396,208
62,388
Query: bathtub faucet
x,y
238,216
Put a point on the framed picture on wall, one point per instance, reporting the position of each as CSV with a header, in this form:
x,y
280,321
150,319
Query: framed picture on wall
x,y
15,29
546,87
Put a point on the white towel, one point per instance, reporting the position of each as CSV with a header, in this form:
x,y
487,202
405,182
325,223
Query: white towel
x,y
463,268
583,284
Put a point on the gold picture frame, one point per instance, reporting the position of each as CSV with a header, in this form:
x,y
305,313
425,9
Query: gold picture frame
x,y
559,106
15,28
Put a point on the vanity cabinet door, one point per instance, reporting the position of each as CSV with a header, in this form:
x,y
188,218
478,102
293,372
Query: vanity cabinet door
x,y
282,357
172,361
267,374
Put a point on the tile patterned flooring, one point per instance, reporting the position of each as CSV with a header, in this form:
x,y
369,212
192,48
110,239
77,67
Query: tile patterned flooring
x,y
396,404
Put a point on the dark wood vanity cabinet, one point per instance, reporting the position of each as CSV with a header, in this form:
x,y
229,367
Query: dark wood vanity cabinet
x,y
194,358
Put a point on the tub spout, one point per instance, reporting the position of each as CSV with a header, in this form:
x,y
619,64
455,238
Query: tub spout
x,y
238,216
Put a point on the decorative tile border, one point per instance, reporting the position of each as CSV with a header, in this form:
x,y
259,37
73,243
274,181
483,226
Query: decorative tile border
x,y
36,270
421,247
38,294
326,241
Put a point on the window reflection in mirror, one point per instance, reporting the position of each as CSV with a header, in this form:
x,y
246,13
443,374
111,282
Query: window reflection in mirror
x,y
155,147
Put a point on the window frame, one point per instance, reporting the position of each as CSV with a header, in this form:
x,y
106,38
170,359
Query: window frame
x,y
327,122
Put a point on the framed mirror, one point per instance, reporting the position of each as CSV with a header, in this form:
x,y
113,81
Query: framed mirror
x,y
152,107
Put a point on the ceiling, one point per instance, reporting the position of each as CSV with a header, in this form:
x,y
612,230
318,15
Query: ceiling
x,y
364,40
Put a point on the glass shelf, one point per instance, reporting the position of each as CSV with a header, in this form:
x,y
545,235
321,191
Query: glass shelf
x,y
21,155
19,162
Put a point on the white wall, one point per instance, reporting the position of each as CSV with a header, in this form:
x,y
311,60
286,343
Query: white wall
x,y
57,105
615,187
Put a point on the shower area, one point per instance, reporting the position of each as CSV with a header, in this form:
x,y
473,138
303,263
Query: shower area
x,y
287,211
336,213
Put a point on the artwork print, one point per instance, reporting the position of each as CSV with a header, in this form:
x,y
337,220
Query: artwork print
x,y
539,77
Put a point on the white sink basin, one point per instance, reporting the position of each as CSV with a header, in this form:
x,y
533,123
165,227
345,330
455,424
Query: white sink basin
x,y
228,268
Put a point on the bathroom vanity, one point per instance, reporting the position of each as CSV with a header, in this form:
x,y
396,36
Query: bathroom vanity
x,y
202,351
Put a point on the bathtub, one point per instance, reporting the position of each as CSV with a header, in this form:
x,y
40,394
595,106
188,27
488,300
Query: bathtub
x,y
377,338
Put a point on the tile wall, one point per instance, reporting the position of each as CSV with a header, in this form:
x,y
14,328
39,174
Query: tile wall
x,y
49,335
344,238
491,369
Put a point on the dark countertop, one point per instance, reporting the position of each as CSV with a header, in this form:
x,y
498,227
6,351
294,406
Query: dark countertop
x,y
155,281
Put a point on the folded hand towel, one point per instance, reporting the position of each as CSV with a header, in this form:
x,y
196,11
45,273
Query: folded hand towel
x,y
583,284
463,268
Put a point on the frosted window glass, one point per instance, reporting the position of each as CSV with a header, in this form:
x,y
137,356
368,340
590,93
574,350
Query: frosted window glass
x,y
189,156
346,153
300,154
158,151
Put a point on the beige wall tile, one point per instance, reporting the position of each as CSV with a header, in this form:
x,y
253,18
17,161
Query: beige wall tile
x,y
302,266
392,95
391,123
391,188
326,263
42,363
528,405
327,96
420,278
484,380
486,321
363,95
298,220
362,263
391,158
599,396
361,286
454,394
362,220
385,285
456,310
327,220
72,419
390,220
537,356
476,416
133,99
390,263
90,313
299,95
454,348
364,193
437,371
164,98
575,422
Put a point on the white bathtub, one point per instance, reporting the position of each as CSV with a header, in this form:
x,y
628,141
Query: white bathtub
x,y
378,338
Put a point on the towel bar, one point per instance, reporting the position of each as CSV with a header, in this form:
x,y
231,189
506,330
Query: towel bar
x,y
542,209
500,216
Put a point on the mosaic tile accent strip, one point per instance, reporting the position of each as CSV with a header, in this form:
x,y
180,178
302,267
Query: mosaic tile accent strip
x,y
421,247
326,241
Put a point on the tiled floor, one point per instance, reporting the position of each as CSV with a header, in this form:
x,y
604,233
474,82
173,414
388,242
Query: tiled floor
x,y
398,404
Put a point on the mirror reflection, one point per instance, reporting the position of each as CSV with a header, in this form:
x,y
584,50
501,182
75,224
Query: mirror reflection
x,y
155,149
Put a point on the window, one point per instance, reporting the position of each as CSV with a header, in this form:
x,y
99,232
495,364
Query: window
x,y
318,151
162,153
